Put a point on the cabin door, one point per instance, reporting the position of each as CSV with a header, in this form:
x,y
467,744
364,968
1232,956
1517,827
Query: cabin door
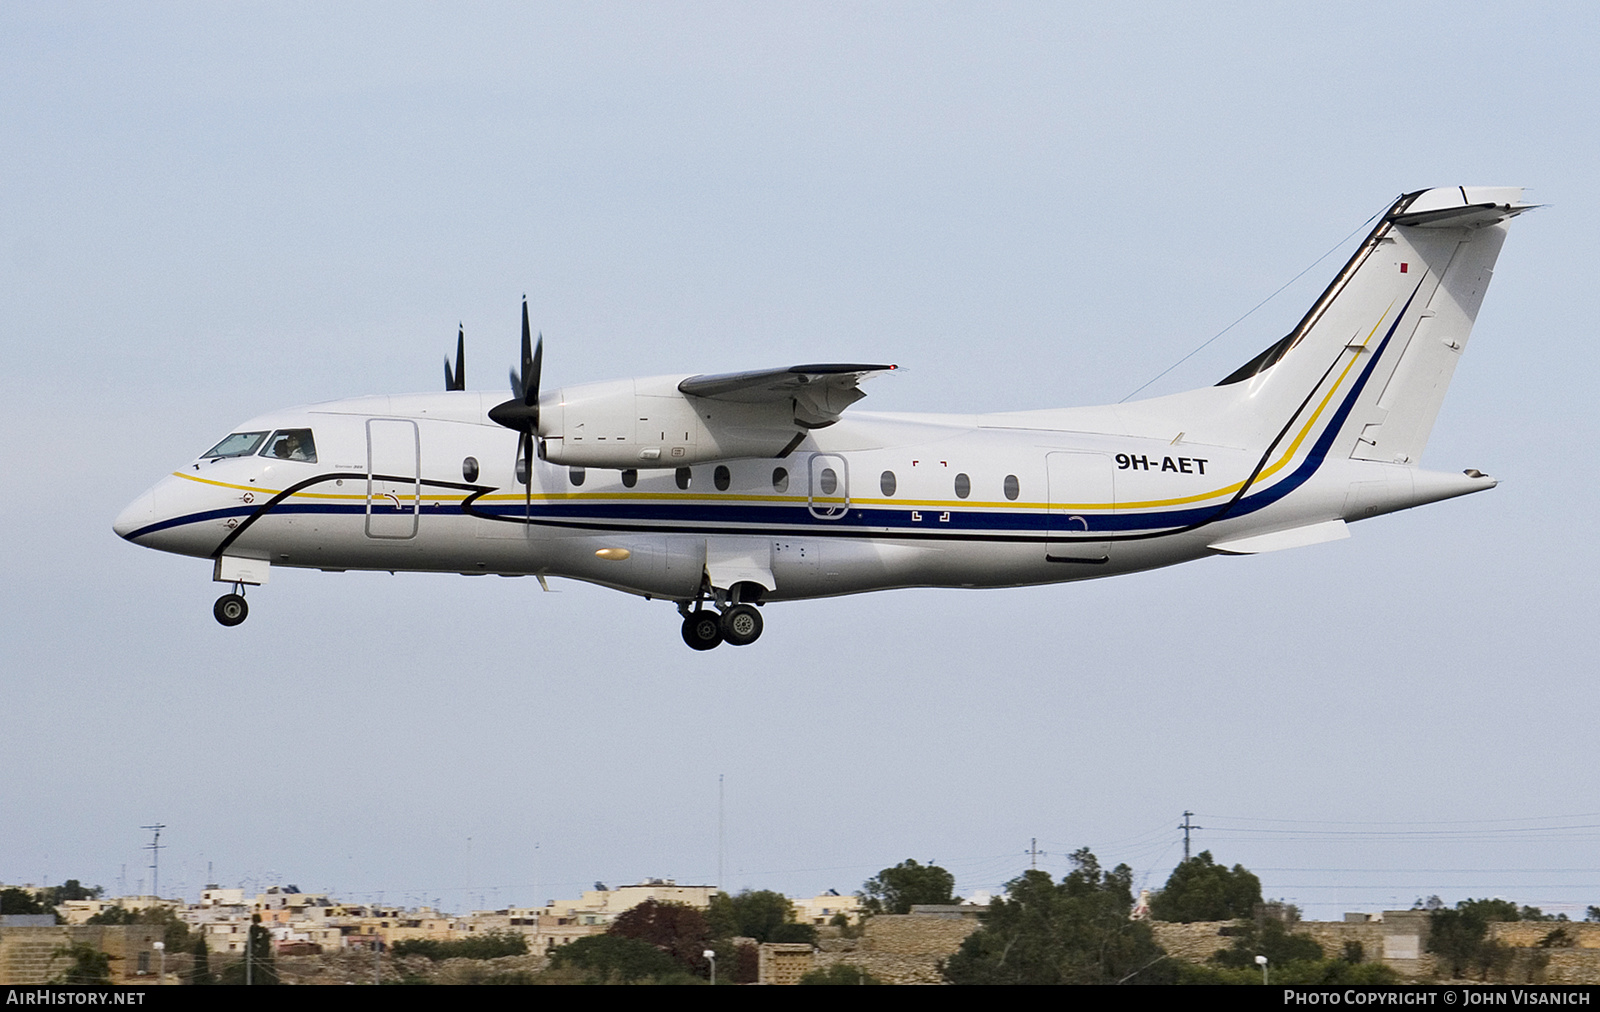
x,y
1082,500
394,478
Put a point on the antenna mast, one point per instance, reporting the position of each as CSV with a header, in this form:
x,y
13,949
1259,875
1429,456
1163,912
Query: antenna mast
x,y
1187,826
155,847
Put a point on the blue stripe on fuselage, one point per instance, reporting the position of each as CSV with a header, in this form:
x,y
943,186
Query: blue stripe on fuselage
x,y
761,518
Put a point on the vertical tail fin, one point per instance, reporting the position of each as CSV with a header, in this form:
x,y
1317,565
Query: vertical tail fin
x,y
1365,371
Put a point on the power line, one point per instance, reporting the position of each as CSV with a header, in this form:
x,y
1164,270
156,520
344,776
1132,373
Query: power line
x,y
1407,822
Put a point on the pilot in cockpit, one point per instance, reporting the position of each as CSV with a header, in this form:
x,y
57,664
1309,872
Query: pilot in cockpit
x,y
293,444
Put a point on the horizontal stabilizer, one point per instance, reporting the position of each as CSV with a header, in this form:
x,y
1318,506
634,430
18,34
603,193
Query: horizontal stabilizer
x,y
1297,537
1462,207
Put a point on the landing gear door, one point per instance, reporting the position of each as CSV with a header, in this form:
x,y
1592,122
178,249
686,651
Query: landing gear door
x,y
828,492
394,485
1082,500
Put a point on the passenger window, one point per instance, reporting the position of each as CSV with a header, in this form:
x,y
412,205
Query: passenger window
x,y
721,478
683,477
576,475
469,469
240,444
780,480
887,483
1013,487
829,481
630,478
291,444
963,486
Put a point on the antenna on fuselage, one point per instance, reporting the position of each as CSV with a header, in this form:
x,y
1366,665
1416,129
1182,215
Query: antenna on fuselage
x,y
457,380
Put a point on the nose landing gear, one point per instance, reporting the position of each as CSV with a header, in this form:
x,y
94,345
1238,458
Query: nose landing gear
x,y
230,609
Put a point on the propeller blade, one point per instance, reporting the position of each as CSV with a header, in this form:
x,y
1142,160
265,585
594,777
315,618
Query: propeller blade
x,y
457,380
533,384
529,378
525,452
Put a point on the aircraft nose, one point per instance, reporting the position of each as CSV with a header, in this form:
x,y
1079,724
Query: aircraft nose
x,y
139,514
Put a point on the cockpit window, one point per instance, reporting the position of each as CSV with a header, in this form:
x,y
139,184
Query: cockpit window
x,y
291,444
240,444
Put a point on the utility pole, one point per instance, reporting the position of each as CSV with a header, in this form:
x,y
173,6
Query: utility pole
x,y
1187,826
155,848
721,844
1034,852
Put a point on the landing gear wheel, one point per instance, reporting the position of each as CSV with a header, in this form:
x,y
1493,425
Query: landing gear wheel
x,y
702,629
741,625
230,609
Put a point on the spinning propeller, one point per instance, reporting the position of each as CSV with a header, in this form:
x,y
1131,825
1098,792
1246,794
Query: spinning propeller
x,y
521,412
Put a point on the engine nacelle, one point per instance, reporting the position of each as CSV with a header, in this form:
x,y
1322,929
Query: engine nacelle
x,y
646,423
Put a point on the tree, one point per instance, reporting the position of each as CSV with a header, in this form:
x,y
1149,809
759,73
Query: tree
x,y
840,973
1535,914
1268,936
489,945
896,890
1077,932
763,915
1460,936
676,929
112,915
200,971
1202,890
615,959
89,965
1292,958
263,969
737,964
20,901
72,889
175,934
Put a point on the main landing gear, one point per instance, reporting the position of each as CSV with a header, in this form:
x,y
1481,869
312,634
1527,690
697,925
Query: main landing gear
x,y
230,609
704,628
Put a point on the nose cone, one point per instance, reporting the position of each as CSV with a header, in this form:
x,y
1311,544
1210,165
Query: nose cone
x,y
141,513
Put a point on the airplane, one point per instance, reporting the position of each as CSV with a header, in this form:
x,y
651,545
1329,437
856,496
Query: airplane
x,y
728,492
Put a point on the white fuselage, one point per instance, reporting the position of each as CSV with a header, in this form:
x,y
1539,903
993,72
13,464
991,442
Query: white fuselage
x,y
742,488
873,502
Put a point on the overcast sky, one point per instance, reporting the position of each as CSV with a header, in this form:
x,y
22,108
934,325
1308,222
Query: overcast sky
x,y
211,211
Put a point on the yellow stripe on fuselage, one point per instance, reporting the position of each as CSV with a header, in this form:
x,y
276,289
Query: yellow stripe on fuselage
x,y
929,504
224,484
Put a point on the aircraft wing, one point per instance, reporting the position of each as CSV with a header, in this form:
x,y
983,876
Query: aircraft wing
x,y
820,392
